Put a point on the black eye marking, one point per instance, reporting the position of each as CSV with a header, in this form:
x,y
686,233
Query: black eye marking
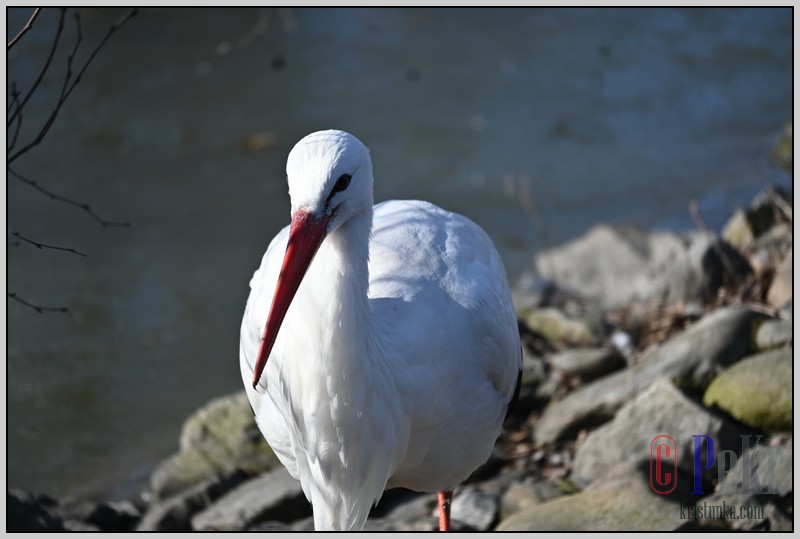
x,y
341,185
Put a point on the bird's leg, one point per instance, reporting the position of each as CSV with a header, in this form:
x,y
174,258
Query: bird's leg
x,y
445,500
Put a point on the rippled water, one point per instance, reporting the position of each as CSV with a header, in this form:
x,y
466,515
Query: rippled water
x,y
536,123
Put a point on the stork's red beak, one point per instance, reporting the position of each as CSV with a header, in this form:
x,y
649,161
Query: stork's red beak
x,y
305,236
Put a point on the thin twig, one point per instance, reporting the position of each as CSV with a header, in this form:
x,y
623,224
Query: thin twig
x,y
39,245
15,99
25,29
67,87
81,205
38,308
44,68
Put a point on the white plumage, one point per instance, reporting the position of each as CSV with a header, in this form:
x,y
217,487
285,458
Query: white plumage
x,y
399,353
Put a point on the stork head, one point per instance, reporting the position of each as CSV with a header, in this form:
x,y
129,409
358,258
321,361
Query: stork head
x,y
330,177
330,182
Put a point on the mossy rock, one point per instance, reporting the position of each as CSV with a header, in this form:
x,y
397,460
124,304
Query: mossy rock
x,y
556,326
216,440
757,391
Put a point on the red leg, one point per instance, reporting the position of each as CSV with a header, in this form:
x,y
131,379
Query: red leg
x,y
445,500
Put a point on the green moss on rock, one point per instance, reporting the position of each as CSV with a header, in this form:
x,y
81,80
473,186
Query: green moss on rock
x,y
757,391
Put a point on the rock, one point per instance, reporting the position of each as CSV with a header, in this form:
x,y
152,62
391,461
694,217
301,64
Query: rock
x,y
774,333
28,513
619,266
766,466
216,440
624,502
712,262
474,507
757,391
780,291
741,512
771,245
522,495
275,495
661,409
114,516
737,230
588,363
175,513
745,226
556,326
690,358
760,503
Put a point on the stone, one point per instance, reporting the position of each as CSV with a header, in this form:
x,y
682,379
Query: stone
x,y
747,512
556,326
275,495
619,266
737,230
690,358
114,516
474,507
662,409
28,513
216,440
175,513
588,363
757,391
624,502
780,291
773,334
522,495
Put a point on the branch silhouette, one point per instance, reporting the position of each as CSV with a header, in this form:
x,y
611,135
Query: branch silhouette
x,y
39,245
25,29
69,83
15,119
66,200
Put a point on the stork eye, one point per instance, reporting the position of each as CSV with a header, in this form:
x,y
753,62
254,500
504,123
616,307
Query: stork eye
x,y
341,183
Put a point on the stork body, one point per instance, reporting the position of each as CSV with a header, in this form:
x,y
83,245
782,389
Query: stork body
x,y
392,358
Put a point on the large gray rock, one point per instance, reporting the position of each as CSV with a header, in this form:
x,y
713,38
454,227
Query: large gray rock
x,y
780,291
622,265
690,358
276,495
773,334
216,440
175,513
757,488
661,409
623,502
756,391
587,363
474,507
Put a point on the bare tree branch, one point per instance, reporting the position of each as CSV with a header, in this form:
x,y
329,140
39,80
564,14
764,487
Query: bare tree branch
x,y
44,68
67,87
15,99
46,246
25,29
38,308
81,205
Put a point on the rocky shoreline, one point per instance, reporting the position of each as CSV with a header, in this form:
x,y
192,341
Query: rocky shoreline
x,y
627,335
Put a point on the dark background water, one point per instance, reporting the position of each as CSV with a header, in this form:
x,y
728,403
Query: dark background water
x,y
182,125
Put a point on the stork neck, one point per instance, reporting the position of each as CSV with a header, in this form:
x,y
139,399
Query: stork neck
x,y
342,270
